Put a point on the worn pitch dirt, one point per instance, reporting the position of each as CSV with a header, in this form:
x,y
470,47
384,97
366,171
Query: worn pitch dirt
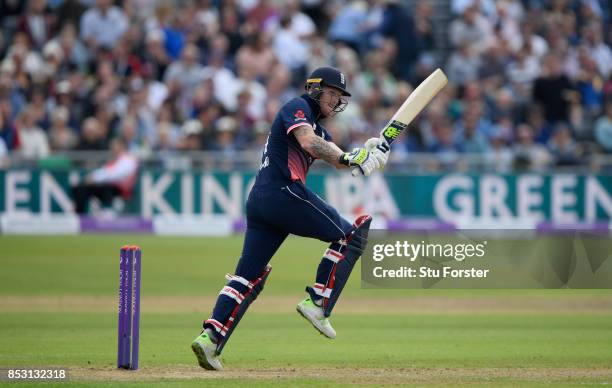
x,y
349,375
284,304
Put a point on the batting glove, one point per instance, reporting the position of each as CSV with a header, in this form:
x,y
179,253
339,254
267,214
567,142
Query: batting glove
x,y
360,158
379,150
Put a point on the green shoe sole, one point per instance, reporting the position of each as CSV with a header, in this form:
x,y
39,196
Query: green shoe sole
x,y
198,350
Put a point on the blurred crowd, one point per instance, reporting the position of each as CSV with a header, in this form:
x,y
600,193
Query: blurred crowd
x,y
530,80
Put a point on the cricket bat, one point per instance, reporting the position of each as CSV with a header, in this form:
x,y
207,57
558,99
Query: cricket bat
x,y
414,104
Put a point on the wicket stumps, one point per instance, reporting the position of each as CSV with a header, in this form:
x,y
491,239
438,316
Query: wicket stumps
x,y
129,307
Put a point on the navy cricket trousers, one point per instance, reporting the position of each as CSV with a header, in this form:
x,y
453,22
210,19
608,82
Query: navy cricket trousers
x,y
272,214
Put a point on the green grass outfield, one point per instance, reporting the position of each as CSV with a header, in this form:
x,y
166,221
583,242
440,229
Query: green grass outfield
x,y
58,301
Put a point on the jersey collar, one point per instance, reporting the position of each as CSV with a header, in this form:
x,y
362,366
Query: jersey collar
x,y
314,105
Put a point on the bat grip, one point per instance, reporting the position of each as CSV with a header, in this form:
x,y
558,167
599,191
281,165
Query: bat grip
x,y
355,172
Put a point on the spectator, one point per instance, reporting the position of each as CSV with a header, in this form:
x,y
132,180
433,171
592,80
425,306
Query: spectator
x,y
37,23
139,107
257,54
398,27
263,15
128,133
225,83
33,143
523,70
470,133
598,49
53,57
291,50
70,12
208,118
168,130
542,130
248,82
553,90
508,15
244,121
320,54
3,154
537,44
261,130
191,139
503,105
183,76
66,98
28,64
588,83
103,25
348,25
603,128
529,155
156,58
61,136
316,10
563,148
444,141
225,138
424,25
203,96
11,11
174,36
558,14
278,86
347,60
167,143
493,64
92,136
230,27
499,157
376,76
463,64
471,27
301,24
8,133
38,108
125,62
156,21
115,179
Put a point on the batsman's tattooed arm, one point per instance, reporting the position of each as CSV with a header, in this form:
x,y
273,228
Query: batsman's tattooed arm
x,y
317,146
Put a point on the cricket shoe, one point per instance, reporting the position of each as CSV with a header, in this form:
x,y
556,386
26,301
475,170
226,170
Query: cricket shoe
x,y
204,349
314,314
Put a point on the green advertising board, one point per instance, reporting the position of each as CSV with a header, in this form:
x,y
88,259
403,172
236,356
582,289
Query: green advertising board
x,y
562,198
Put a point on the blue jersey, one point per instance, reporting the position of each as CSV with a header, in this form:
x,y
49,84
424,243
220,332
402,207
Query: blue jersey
x,y
284,160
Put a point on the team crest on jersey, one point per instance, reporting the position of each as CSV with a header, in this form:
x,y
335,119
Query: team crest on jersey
x,y
299,115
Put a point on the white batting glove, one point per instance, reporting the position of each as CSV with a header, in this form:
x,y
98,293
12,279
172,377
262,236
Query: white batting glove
x,y
379,150
361,160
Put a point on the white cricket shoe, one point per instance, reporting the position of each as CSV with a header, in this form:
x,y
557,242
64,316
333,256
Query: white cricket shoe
x,y
204,349
314,315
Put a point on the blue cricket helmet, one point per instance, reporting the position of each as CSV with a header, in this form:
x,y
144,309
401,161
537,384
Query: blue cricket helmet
x,y
328,76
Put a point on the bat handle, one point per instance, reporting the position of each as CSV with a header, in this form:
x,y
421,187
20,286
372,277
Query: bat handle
x,y
355,172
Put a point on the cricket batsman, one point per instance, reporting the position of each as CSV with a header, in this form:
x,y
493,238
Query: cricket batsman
x,y
280,204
